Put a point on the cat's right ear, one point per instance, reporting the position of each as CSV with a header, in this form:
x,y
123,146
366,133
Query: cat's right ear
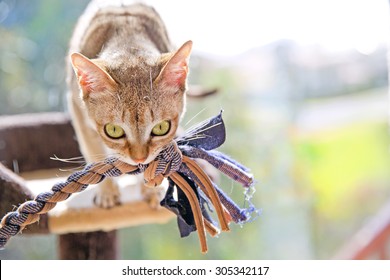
x,y
91,77
175,71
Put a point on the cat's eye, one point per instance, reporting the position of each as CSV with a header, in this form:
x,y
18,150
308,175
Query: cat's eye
x,y
161,128
114,131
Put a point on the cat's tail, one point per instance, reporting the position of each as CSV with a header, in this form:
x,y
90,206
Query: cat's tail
x,y
197,91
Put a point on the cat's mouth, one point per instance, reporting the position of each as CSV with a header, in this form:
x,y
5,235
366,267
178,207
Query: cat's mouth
x,y
137,161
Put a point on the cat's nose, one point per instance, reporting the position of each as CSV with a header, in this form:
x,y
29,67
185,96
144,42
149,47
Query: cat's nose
x,y
139,160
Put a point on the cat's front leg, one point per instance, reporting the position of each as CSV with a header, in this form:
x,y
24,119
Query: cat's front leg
x,y
93,150
107,194
153,196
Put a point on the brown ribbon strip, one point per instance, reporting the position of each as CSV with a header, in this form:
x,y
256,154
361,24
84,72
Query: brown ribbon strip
x,y
207,187
195,207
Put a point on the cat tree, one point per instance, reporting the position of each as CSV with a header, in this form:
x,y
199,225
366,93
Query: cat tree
x,y
190,193
27,142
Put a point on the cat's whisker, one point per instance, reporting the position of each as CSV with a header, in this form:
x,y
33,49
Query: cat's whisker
x,y
79,159
194,129
196,115
113,94
151,81
73,169
210,127
101,157
83,163
197,137
105,156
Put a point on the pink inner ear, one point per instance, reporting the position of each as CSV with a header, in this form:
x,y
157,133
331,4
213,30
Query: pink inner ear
x,y
176,70
85,81
176,74
91,77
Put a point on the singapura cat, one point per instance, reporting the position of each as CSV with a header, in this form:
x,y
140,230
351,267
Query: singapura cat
x,y
127,86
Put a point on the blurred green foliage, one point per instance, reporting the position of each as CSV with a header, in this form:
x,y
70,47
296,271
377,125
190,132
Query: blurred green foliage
x,y
347,170
34,40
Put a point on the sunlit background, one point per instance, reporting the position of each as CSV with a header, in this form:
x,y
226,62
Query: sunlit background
x,y
303,85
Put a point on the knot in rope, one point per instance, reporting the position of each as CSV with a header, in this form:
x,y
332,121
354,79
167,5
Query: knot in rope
x,y
168,161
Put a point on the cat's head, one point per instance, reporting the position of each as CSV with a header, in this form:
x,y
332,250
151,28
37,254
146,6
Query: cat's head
x,y
135,105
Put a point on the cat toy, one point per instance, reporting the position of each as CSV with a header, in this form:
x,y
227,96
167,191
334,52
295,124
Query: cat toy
x,y
189,195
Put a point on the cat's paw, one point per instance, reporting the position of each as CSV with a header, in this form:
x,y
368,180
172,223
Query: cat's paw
x,y
107,195
153,196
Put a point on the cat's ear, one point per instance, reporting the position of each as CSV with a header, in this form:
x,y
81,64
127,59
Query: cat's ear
x,y
91,77
175,71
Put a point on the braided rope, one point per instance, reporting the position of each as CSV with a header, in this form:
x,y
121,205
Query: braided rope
x,y
171,161
29,212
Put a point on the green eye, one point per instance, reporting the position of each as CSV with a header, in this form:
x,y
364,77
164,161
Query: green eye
x,y
161,128
114,131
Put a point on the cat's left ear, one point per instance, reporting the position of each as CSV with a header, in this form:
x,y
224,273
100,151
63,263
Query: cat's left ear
x,y
175,71
92,78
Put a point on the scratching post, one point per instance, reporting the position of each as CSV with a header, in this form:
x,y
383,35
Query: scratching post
x,y
98,245
23,150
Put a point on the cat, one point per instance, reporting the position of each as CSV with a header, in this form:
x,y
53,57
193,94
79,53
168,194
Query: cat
x,y
127,86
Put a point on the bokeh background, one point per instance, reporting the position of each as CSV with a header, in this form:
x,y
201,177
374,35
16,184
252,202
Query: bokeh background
x,y
304,89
